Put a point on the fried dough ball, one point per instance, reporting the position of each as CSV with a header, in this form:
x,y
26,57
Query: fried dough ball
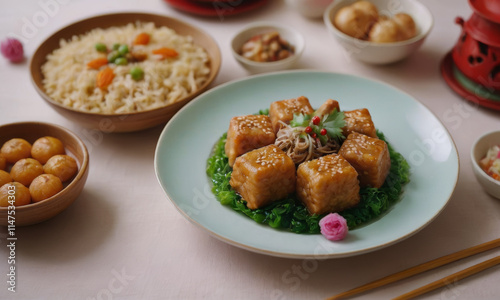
x,y
4,177
45,186
15,149
46,147
25,170
3,162
62,166
384,31
354,22
21,194
383,18
407,27
367,7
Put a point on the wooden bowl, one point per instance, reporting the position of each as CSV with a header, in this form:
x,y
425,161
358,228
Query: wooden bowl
x,y
40,211
125,122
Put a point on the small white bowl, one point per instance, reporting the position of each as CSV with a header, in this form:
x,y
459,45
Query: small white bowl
x,y
289,34
478,151
382,53
310,8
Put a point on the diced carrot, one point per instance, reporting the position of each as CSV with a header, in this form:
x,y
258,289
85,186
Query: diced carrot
x,y
495,176
165,52
104,78
97,63
141,39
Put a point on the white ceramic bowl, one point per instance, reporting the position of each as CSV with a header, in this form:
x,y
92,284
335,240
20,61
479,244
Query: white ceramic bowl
x,y
310,8
478,151
291,35
382,53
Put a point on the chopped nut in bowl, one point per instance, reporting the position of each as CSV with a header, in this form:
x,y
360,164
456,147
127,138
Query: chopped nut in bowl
x,y
266,47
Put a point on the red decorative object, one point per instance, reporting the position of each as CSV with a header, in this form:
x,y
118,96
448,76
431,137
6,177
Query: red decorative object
x,y
477,52
487,9
216,8
475,98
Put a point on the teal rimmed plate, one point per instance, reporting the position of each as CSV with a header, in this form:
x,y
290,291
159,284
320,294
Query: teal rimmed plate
x,y
187,141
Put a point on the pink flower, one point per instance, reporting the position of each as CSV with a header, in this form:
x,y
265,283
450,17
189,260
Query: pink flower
x,y
333,227
12,49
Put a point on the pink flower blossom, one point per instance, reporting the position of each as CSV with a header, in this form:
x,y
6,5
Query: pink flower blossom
x,y
12,49
333,227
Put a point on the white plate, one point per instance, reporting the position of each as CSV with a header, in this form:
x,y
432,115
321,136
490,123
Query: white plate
x,y
187,141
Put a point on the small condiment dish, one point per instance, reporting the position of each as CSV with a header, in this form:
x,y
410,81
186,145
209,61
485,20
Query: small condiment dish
x,y
478,151
287,33
41,211
382,53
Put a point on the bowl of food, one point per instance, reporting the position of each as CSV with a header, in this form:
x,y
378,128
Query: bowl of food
x,y
377,31
266,47
43,169
124,72
485,157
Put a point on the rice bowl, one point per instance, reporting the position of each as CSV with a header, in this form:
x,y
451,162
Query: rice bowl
x,y
131,121
69,81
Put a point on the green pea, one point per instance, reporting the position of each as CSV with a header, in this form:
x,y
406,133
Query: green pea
x,y
123,49
116,46
113,55
121,61
136,73
101,47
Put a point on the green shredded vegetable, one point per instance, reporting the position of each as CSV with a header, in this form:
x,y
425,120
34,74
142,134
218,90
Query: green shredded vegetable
x,y
290,214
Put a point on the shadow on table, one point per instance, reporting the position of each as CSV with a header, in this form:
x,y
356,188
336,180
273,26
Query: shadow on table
x,y
421,67
74,233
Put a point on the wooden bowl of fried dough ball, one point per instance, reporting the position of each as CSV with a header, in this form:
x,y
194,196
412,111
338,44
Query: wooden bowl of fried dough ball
x,y
43,169
379,31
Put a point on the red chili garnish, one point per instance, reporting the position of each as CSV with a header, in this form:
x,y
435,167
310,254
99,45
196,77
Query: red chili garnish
x,y
316,120
308,129
323,131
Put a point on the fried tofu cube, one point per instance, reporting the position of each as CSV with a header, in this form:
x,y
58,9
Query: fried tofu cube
x,y
359,120
283,110
247,133
369,156
263,175
327,108
327,184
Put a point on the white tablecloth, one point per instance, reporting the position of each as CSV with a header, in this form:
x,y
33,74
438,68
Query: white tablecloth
x,y
123,239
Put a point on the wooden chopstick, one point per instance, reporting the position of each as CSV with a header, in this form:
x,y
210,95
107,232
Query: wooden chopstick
x,y
451,278
420,269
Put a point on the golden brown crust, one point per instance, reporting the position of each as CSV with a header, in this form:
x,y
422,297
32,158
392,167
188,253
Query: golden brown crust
x,y
359,120
263,175
369,156
327,184
247,133
283,110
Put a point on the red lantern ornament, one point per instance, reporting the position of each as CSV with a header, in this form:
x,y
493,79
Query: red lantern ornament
x,y
473,67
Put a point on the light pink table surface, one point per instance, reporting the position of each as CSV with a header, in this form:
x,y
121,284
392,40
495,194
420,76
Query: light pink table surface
x,y
123,239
